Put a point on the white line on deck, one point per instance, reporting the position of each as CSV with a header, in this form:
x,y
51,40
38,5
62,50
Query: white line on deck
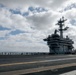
x,y
33,62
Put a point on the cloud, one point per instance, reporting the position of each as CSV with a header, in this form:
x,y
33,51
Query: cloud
x,y
53,4
4,33
43,20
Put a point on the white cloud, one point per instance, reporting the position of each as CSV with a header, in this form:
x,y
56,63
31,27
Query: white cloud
x,y
3,33
53,4
43,20
5,17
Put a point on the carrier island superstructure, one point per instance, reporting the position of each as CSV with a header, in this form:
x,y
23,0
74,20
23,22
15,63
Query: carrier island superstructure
x,y
57,43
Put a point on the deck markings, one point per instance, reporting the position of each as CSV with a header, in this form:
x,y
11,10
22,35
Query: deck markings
x,y
33,62
39,69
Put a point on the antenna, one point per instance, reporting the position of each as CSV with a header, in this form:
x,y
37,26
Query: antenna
x,y
61,24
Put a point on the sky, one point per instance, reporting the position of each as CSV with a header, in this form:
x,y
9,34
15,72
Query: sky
x,y
25,23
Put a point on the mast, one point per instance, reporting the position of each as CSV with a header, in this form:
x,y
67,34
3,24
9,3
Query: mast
x,y
61,24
